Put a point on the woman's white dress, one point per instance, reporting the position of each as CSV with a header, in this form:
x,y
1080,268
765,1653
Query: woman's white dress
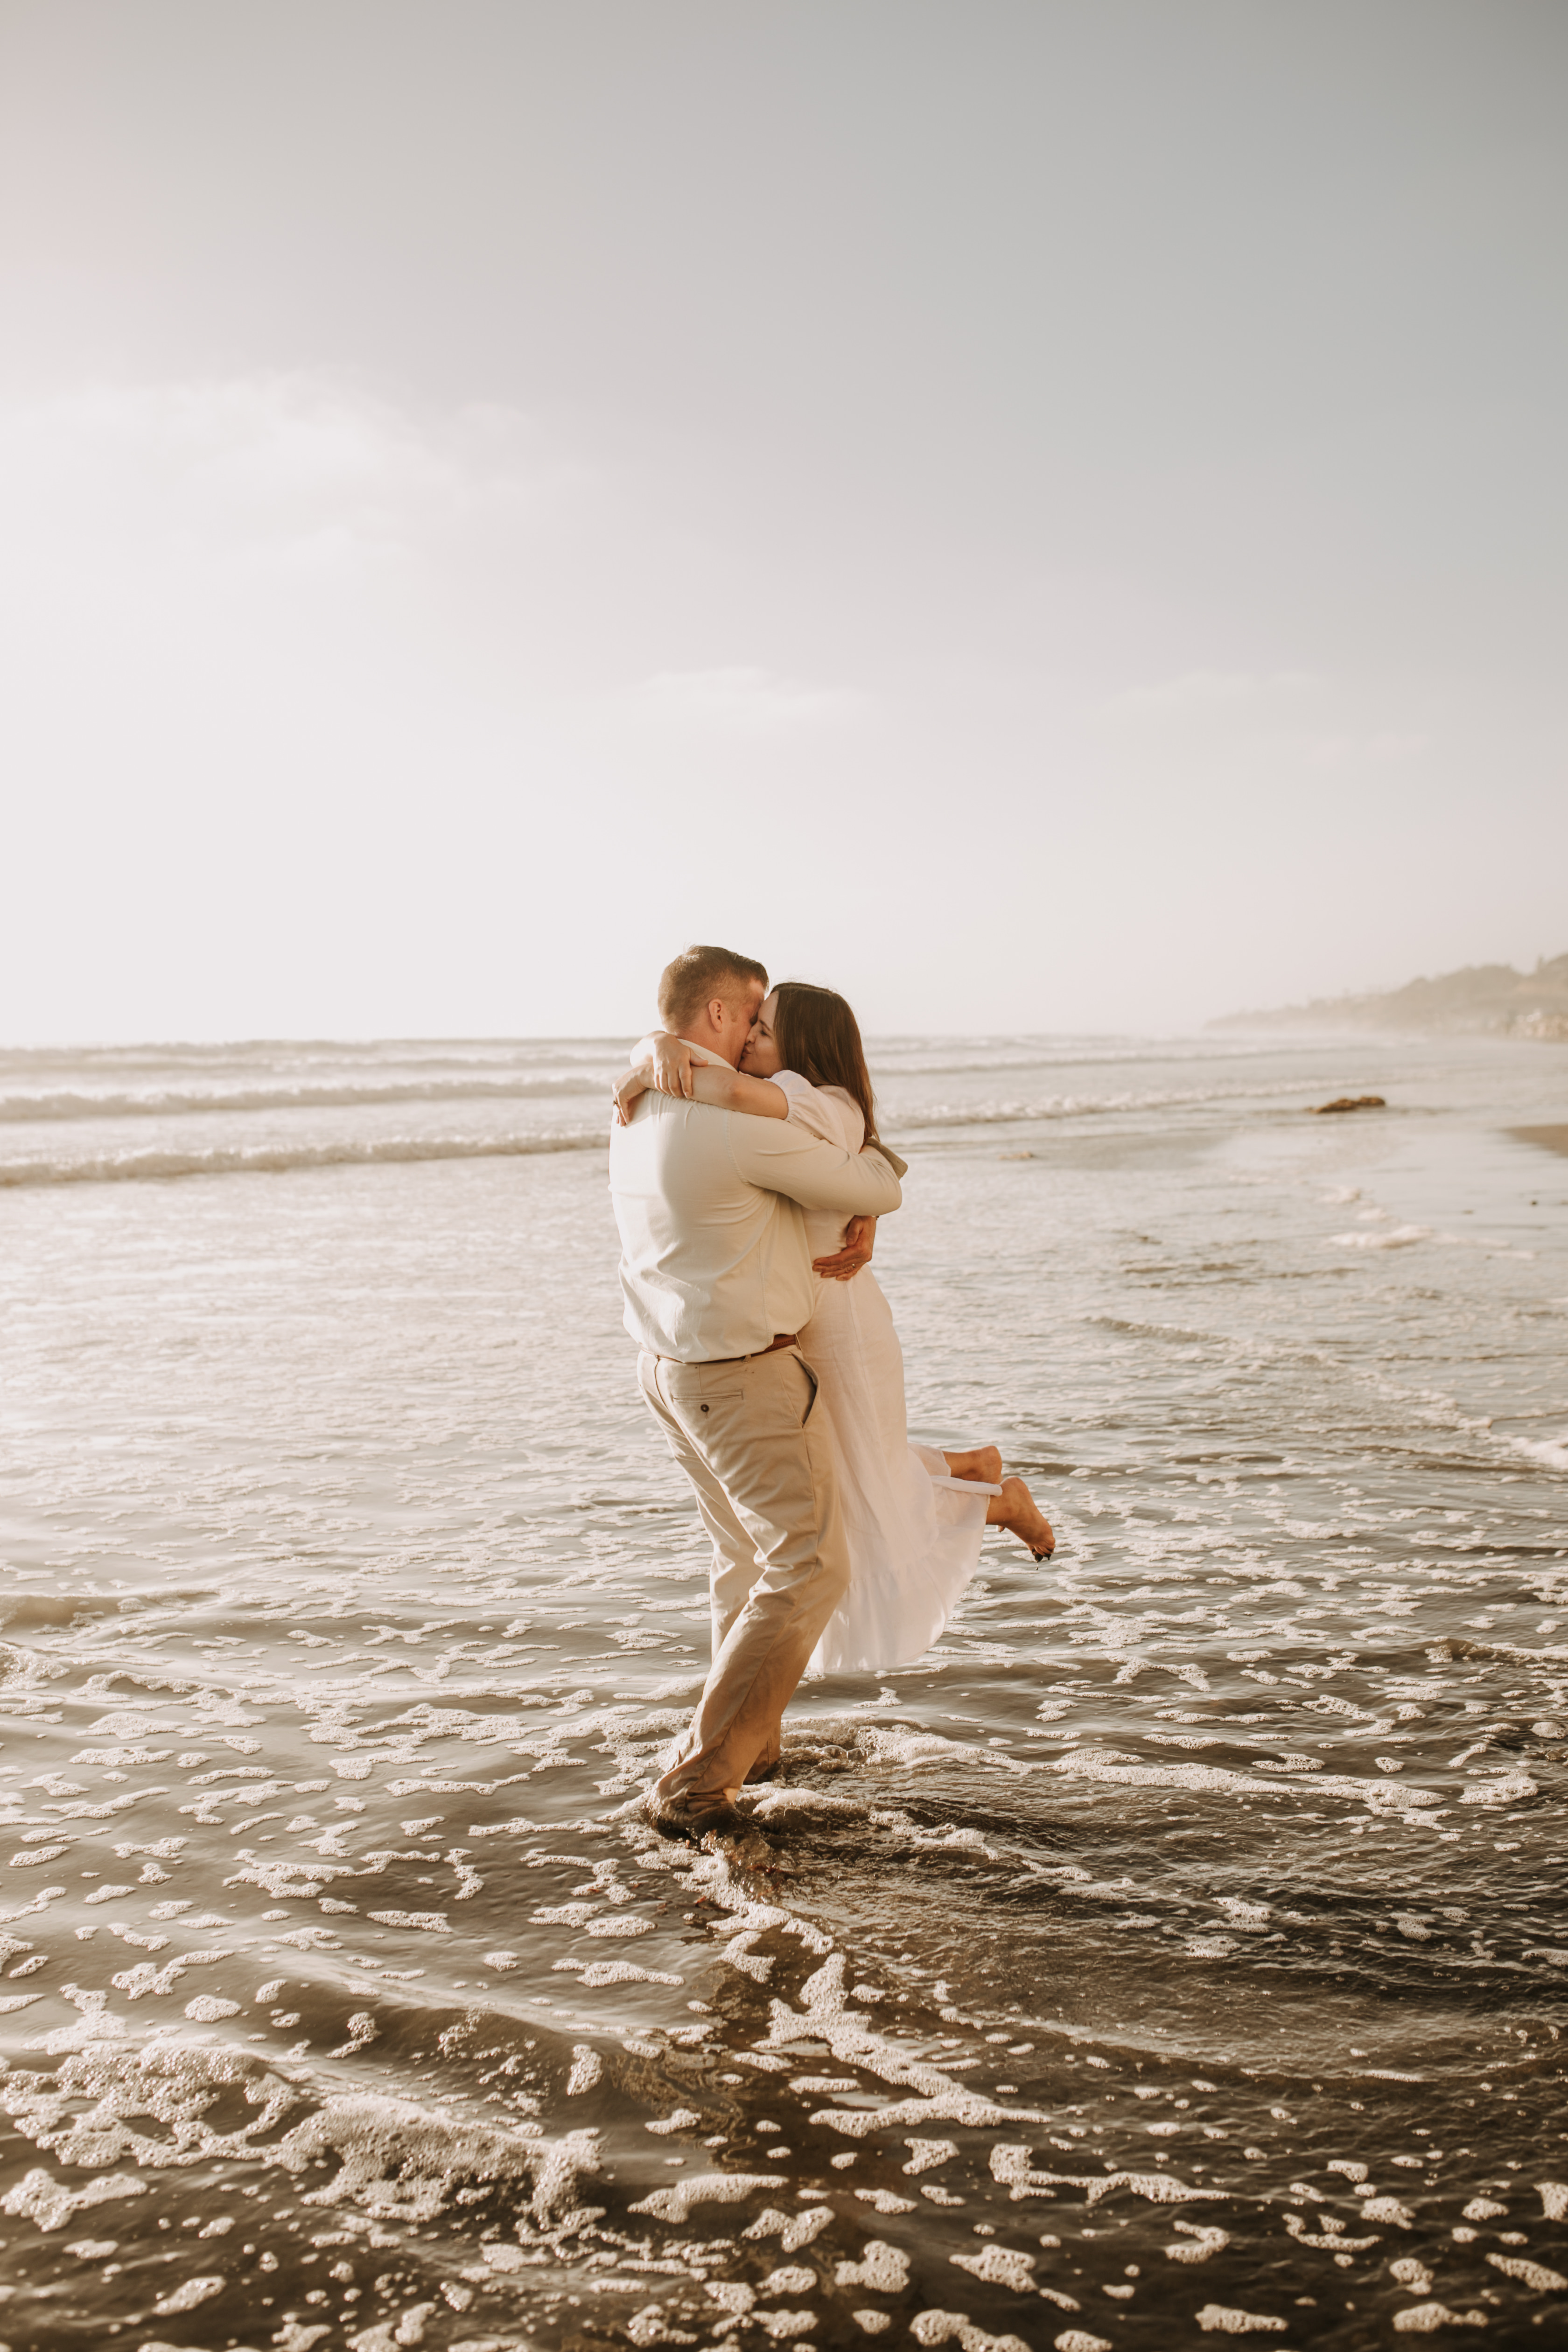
x,y
914,1531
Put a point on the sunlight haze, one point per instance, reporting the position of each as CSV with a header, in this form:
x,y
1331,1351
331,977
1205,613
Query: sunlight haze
x,y
1046,517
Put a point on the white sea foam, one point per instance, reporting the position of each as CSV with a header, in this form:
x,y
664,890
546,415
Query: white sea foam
x,y
39,2197
1552,1453
675,2203
220,1100
280,1159
932,2327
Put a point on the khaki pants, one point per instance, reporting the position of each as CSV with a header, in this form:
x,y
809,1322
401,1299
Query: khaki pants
x,y
749,1436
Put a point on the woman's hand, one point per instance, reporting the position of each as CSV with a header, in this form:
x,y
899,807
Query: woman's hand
x,y
859,1240
671,1071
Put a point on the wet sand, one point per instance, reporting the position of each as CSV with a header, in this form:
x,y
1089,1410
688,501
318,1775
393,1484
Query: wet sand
x,y
1549,1139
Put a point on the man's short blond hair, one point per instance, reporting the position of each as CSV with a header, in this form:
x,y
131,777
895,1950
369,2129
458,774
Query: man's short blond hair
x,y
699,974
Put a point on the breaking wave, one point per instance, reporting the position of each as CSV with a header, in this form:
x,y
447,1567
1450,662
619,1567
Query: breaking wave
x,y
182,1102
280,1158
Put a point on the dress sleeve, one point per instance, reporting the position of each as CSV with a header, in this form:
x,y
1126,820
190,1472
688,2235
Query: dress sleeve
x,y
829,1113
822,1111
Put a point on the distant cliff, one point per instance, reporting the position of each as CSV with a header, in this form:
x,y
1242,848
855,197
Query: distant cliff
x,y
1484,1000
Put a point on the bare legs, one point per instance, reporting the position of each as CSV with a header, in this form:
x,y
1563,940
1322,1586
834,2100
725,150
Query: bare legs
x,y
1014,1508
983,1462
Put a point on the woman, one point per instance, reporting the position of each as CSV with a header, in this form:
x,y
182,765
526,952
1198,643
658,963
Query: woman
x,y
914,1517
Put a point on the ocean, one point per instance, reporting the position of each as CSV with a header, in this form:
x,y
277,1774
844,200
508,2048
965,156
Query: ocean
x,y
1178,1950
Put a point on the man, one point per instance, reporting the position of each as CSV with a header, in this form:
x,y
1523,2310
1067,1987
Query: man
x,y
717,1274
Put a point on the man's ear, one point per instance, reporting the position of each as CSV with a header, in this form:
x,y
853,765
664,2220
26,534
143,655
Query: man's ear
x,y
716,1013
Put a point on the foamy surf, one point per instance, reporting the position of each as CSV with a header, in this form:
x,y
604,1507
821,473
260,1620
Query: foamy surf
x,y
1172,1952
278,1159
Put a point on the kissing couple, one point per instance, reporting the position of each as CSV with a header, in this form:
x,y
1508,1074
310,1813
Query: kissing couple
x,y
747,1177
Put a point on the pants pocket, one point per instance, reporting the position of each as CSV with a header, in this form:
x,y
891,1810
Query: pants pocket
x,y
700,1409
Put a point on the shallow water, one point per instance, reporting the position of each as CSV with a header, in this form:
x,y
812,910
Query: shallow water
x,y
1179,1950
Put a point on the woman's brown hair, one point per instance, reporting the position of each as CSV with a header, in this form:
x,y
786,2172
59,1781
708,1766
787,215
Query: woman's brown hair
x,y
817,1035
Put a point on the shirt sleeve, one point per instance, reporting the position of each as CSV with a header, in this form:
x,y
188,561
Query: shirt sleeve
x,y
829,1113
643,1049
780,1157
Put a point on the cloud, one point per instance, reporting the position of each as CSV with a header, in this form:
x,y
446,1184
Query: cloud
x,y
276,472
1213,715
1379,746
1204,694
743,698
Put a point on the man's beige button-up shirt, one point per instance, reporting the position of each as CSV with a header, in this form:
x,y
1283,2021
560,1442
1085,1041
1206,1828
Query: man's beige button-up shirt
x,y
714,1255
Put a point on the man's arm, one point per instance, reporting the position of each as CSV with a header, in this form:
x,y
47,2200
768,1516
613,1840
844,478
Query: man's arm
x,y
665,1064
781,1158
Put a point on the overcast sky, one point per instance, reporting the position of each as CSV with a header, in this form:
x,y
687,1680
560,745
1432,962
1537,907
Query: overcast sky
x,y
1045,516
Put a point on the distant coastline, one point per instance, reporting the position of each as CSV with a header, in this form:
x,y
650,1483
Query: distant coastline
x,y
1484,1000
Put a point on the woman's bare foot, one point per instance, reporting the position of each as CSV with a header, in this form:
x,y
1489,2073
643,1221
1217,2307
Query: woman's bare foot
x,y
981,1462
1016,1507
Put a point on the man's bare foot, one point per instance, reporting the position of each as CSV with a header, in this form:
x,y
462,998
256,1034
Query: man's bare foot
x,y
693,1817
1016,1507
745,1849
981,1462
